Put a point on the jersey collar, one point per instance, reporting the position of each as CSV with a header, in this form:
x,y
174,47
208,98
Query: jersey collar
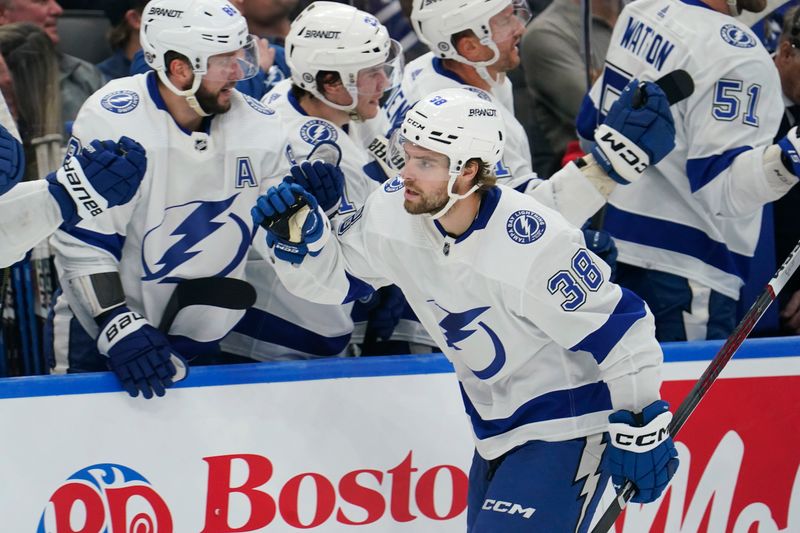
x,y
438,66
152,89
485,211
698,3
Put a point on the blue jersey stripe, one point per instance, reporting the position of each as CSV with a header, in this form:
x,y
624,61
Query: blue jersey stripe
x,y
110,243
675,237
702,171
586,121
565,403
357,289
599,343
267,327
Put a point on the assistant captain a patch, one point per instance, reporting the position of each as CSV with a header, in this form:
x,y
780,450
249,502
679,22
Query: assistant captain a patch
x,y
525,227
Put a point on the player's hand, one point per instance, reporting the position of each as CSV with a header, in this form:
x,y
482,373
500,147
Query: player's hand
x,y
638,132
642,451
790,151
12,161
139,354
102,175
383,318
790,314
324,181
295,224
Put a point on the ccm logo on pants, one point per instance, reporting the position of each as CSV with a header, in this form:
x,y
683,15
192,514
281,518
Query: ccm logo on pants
x,y
507,507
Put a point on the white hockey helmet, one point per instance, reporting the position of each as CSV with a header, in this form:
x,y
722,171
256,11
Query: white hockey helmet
x,y
462,123
212,35
435,23
329,36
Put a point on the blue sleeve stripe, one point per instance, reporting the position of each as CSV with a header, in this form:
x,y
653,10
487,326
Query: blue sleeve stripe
x,y
675,237
358,289
586,122
702,171
600,342
375,172
267,327
557,404
110,243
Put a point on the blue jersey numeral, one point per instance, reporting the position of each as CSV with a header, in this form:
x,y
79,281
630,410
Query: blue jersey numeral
x,y
570,283
727,103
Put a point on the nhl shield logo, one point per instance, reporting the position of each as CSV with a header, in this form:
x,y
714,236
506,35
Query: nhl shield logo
x,y
525,227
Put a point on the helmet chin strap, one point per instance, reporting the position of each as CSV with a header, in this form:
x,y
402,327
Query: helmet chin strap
x,y
188,94
480,66
452,196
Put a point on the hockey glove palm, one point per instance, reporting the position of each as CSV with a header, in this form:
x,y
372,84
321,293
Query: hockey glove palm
x,y
638,132
103,175
323,180
139,354
295,225
642,450
12,161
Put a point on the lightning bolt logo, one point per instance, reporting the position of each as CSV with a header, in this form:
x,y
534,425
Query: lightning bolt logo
x,y
525,225
194,228
589,471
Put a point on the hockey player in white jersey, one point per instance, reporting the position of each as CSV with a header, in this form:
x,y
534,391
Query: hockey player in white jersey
x,y
687,230
342,61
210,153
545,347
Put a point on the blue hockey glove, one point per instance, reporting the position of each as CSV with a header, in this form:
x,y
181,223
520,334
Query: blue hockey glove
x,y
790,151
601,243
323,180
139,355
642,450
383,318
103,175
295,225
12,161
638,132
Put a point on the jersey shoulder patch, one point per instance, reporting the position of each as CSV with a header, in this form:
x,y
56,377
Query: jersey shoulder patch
x,y
258,106
736,36
394,184
316,130
120,102
525,226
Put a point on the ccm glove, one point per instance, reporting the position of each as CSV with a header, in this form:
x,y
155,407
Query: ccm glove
x,y
323,180
12,161
102,175
790,151
642,450
638,132
139,354
295,225
601,243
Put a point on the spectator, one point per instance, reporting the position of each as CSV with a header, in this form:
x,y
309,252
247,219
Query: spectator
x,y
540,369
554,67
78,79
687,230
349,74
210,152
785,209
267,18
125,17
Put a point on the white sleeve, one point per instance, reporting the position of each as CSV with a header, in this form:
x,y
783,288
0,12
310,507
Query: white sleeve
x,y
569,297
28,215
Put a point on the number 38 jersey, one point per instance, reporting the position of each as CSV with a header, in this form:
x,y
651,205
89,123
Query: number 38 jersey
x,y
191,216
697,212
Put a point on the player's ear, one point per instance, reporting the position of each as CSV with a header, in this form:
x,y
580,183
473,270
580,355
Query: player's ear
x,y
180,72
469,46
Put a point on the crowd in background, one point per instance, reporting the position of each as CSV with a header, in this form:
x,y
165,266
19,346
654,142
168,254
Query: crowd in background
x,y
45,86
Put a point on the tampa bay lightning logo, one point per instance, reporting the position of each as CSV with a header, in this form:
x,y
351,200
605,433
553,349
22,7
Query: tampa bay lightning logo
x,y
120,102
736,36
525,226
208,230
394,184
258,106
464,332
317,130
480,93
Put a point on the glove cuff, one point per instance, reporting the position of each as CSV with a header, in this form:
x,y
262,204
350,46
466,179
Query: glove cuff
x,y
620,157
69,213
88,202
640,439
119,326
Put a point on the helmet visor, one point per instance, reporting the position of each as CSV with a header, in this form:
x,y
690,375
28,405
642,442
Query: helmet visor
x,y
416,161
385,76
241,64
508,23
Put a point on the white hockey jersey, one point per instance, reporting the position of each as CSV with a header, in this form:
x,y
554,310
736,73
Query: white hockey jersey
x,y
697,212
542,344
282,325
567,191
191,217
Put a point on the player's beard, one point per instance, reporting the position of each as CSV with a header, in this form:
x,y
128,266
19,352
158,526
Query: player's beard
x,y
210,101
429,204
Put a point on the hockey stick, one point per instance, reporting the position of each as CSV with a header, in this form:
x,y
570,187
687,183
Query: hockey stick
x,y
227,293
700,388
